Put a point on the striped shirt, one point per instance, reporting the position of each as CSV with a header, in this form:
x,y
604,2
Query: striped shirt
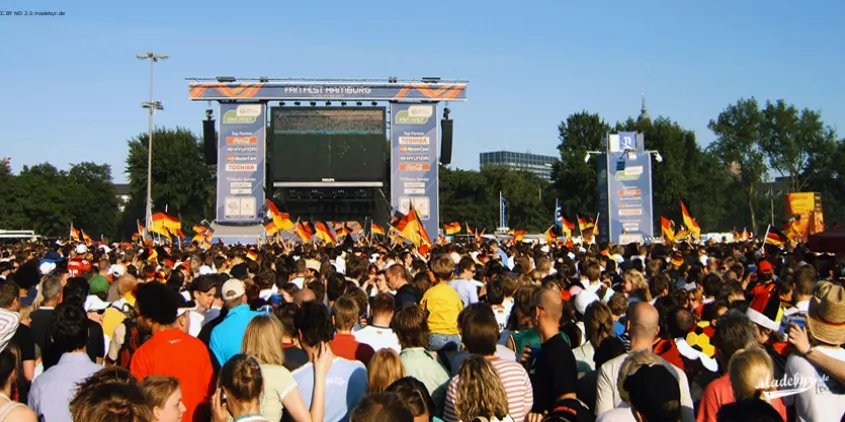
x,y
9,322
517,386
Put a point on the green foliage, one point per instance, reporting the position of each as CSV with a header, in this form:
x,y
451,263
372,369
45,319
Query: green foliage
x,y
182,181
472,197
575,180
48,200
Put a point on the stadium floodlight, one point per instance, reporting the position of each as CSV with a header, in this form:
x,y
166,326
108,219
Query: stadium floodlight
x,y
343,103
281,103
587,157
431,79
328,103
152,106
313,104
392,79
374,103
264,79
359,103
658,157
296,103
226,79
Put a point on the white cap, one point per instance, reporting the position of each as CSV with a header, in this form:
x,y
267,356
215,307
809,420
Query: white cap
x,y
94,303
206,270
456,257
584,299
545,249
117,270
232,289
81,249
105,248
312,264
46,267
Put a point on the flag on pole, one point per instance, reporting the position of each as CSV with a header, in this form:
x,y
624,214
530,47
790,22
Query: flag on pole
x,y
376,229
550,235
74,233
304,230
775,237
280,219
667,226
452,228
503,206
411,228
690,222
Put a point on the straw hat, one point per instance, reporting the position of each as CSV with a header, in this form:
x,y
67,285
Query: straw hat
x,y
826,316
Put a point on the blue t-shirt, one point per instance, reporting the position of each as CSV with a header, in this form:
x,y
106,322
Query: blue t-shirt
x,y
618,328
226,338
346,384
466,290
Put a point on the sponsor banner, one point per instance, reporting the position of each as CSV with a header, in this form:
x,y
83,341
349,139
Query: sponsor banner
x,y
264,91
629,211
805,208
240,163
413,162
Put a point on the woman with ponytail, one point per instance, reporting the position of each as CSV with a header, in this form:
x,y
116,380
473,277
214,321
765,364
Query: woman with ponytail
x,y
10,410
239,391
598,325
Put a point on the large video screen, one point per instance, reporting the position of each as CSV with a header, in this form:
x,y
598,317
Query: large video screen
x,y
328,144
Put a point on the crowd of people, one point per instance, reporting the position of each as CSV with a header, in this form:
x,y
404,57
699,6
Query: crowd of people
x,y
487,331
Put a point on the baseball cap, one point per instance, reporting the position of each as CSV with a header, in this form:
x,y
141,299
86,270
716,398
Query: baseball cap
x,y
312,264
93,304
764,266
182,305
99,284
655,393
80,249
232,289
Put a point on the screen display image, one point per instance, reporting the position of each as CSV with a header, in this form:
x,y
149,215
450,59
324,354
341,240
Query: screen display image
x,y
328,144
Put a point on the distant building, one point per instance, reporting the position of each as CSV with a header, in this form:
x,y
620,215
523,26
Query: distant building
x,y
121,190
541,165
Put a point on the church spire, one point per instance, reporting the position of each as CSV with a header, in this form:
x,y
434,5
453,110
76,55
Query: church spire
x,y
643,111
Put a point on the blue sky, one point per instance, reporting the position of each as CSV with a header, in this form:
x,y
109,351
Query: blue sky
x,y
73,87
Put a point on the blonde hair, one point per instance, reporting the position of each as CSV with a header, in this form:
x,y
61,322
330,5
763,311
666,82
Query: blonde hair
x,y
639,285
385,367
263,340
480,391
751,372
630,365
159,388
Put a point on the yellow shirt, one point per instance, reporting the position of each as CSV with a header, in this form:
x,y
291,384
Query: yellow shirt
x,y
443,305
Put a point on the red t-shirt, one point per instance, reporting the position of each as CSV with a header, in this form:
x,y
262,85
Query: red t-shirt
x,y
77,266
719,393
345,346
668,350
174,353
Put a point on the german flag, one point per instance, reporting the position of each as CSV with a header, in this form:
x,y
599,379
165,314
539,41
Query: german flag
x,y
469,229
681,235
74,233
85,237
164,224
280,219
775,237
566,226
304,231
325,233
452,228
411,228
587,226
668,228
270,228
550,235
690,222
376,229
252,256
517,235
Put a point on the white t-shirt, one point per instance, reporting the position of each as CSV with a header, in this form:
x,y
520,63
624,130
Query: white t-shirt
x,y
378,338
825,401
618,414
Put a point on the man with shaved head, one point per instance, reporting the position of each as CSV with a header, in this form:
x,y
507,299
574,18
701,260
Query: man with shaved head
x,y
643,327
304,295
552,367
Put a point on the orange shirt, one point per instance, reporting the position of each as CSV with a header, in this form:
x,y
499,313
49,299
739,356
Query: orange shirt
x,y
719,393
345,346
174,353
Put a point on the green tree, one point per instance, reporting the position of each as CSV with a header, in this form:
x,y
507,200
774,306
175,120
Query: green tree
x,y
738,150
575,180
182,182
42,200
463,198
94,205
795,142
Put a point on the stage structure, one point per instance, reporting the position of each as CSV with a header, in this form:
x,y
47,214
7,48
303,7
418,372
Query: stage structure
x,y
326,154
624,188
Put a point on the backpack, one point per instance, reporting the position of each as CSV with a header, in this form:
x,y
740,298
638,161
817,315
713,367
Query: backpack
x,y
132,340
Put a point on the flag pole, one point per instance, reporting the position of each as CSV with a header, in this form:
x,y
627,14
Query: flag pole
x,y
763,245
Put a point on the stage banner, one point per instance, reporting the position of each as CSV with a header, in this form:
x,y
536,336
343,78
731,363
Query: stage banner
x,y
804,214
240,163
630,216
413,162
